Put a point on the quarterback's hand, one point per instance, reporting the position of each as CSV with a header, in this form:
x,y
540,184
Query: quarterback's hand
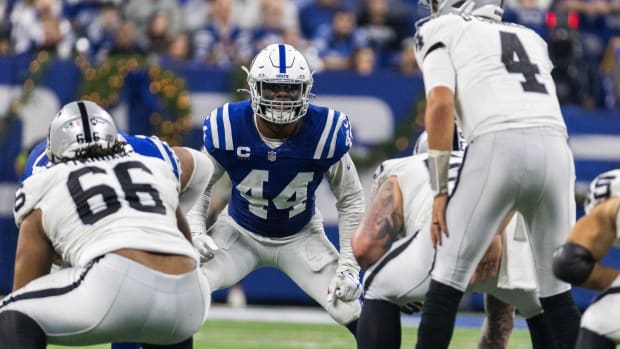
x,y
205,245
345,286
438,225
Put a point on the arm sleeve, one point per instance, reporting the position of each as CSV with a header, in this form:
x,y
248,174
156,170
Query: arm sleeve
x,y
197,215
438,70
198,181
347,188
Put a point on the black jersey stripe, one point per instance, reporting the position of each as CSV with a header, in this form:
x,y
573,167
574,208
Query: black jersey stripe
x,y
88,137
391,255
433,48
50,292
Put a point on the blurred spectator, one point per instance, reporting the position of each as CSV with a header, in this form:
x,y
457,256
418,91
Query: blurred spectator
x,y
271,28
250,13
179,50
125,41
101,32
407,63
317,16
293,37
364,61
576,79
610,68
591,21
385,26
222,42
57,36
194,14
529,13
141,11
338,43
26,24
157,34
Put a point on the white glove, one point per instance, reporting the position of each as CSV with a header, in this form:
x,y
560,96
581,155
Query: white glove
x,y
345,286
205,245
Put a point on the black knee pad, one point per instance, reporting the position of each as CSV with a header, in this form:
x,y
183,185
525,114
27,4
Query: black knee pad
x,y
19,331
572,263
588,339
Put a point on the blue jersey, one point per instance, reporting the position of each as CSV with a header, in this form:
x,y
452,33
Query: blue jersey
x,y
273,189
147,146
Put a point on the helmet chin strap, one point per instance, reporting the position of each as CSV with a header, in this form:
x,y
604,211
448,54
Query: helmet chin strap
x,y
276,131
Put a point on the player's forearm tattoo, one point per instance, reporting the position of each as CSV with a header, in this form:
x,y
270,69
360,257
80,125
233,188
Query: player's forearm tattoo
x,y
384,215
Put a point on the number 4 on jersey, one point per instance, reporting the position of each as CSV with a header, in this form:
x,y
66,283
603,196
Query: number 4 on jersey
x,y
511,46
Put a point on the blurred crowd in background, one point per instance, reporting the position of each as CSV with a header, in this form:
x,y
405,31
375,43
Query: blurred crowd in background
x,y
365,35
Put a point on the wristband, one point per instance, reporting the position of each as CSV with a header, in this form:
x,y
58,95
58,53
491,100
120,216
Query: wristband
x,y
438,164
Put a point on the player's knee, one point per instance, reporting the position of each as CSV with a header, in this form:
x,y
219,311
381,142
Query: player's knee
x,y
18,330
572,263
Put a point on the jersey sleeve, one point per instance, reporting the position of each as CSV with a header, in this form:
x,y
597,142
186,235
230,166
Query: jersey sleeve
x,y
217,131
433,42
28,195
335,138
438,33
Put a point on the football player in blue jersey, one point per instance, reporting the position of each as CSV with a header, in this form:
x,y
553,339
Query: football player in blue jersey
x,y
192,169
277,147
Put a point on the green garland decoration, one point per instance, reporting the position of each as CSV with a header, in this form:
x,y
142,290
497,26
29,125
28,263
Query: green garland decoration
x,y
103,83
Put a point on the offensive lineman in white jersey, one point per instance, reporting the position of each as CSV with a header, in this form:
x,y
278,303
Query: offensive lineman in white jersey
x,y
114,216
394,232
497,78
276,148
578,262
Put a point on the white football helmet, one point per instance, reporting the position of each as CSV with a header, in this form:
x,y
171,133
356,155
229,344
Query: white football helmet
x,y
491,9
280,81
458,142
78,125
604,186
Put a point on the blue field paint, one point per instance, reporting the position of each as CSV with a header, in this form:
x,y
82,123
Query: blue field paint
x,y
466,320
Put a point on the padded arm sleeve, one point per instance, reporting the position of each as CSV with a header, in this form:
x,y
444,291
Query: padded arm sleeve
x,y
197,183
347,188
197,215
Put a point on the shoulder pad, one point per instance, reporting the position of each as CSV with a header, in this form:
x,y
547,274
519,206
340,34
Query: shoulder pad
x,y
436,33
217,131
36,159
335,138
152,146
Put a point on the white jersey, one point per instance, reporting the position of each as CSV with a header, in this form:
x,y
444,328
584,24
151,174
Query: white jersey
x,y
502,73
92,208
412,175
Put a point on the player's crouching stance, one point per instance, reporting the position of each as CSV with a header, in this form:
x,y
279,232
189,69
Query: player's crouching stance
x,y
578,261
114,216
394,247
276,148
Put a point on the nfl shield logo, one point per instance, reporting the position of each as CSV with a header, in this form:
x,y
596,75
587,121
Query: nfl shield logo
x,y
271,155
